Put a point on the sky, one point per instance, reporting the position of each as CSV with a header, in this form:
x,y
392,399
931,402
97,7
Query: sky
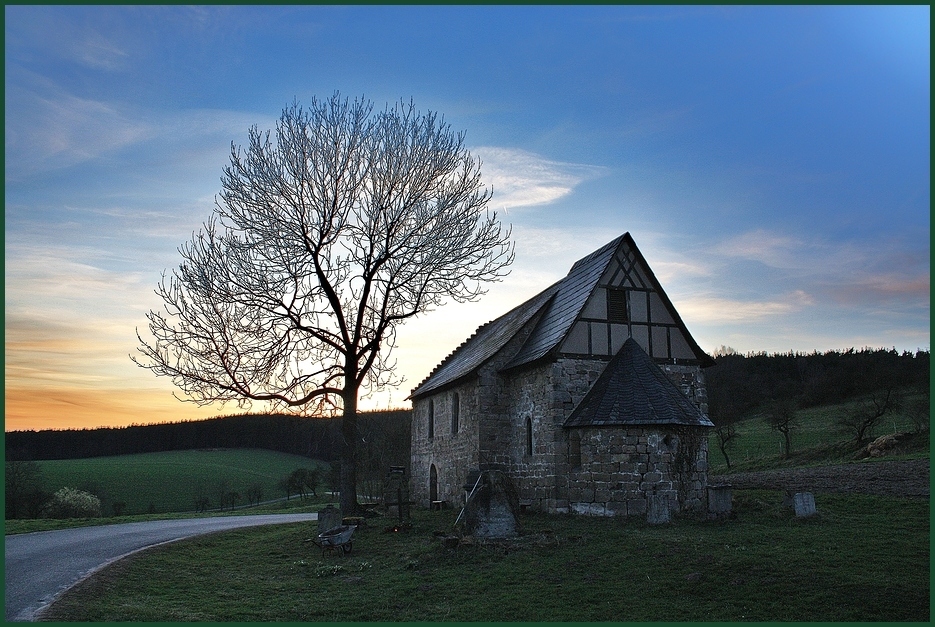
x,y
772,164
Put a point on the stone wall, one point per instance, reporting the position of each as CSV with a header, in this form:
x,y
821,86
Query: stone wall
x,y
527,396
689,379
606,471
485,436
622,467
453,454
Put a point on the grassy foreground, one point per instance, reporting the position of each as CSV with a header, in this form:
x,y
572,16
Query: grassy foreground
x,y
864,558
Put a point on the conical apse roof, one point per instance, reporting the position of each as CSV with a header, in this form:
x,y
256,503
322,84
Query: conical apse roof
x,y
633,390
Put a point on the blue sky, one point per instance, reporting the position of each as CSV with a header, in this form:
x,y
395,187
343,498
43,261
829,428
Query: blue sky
x,y
772,163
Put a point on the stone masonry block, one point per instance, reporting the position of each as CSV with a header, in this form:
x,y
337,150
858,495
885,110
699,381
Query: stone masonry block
x,y
636,507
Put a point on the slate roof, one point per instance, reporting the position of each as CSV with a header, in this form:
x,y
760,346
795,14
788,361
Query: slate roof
x,y
573,292
633,390
483,344
560,304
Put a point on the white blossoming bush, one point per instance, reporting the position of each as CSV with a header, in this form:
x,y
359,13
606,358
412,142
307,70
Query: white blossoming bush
x,y
74,503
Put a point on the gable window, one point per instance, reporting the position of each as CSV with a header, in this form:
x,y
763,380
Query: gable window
x,y
617,305
431,419
455,412
529,436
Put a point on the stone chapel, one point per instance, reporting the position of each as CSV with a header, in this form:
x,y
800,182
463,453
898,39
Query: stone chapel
x,y
590,396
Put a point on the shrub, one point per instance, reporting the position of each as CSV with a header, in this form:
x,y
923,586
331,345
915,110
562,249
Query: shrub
x,y
74,503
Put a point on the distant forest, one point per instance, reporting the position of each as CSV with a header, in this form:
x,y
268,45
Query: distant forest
x,y
384,438
743,384
737,386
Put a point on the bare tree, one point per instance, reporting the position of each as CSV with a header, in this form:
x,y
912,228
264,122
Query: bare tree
x,y
864,418
323,242
254,493
919,411
726,435
724,411
782,416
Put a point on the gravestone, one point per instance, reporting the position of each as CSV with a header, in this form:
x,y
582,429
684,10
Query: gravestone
x,y
719,500
396,492
493,509
329,518
657,509
804,503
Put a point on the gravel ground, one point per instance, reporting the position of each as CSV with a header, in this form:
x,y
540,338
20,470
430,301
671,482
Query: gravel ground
x,y
887,478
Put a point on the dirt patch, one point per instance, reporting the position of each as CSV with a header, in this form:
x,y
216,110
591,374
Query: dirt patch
x,y
890,478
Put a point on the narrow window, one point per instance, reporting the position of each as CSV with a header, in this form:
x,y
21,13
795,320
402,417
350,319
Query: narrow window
x,y
455,412
574,450
433,485
529,436
617,305
431,418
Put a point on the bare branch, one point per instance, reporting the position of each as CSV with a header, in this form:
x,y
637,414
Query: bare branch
x,y
327,234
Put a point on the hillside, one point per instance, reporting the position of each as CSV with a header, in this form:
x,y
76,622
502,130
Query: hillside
x,y
177,481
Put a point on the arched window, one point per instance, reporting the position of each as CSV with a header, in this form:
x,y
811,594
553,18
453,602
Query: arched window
x,y
529,436
431,419
455,412
433,484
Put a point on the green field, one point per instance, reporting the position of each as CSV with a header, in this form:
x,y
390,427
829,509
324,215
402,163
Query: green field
x,y
815,441
865,558
171,481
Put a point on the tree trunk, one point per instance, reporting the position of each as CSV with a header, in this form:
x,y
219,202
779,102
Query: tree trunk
x,y
348,500
723,448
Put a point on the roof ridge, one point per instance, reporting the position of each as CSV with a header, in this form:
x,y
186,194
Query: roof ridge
x,y
603,249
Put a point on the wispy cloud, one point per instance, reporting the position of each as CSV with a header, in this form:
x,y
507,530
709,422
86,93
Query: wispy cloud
x,y
877,288
48,128
524,179
772,249
851,273
69,318
712,309
97,52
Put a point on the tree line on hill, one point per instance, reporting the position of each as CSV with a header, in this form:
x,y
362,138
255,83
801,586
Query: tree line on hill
x,y
738,386
315,438
776,386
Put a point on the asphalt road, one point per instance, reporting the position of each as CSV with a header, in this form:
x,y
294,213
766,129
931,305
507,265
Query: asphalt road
x,y
40,566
